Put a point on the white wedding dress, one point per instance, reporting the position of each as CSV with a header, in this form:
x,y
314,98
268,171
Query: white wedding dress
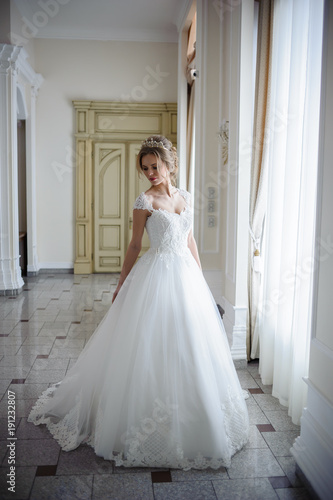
x,y
155,386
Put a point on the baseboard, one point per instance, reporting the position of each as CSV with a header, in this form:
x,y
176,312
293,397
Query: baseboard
x,y
313,449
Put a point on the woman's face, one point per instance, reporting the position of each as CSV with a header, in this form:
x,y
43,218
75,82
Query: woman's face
x,y
149,168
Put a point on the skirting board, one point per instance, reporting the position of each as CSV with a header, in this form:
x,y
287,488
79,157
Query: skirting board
x,y
313,449
235,324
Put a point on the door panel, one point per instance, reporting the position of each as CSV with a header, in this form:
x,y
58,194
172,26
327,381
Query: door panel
x,y
109,206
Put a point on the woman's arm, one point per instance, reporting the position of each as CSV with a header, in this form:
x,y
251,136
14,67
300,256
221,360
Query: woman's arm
x,y
193,247
134,248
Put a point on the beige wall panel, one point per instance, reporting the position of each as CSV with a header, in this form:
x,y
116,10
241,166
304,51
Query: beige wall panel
x,y
128,123
81,180
107,263
82,121
110,189
109,237
81,240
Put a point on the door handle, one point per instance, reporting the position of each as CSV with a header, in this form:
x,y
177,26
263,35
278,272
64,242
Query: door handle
x,y
130,222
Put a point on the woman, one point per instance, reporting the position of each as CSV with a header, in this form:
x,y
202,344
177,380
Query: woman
x,y
155,385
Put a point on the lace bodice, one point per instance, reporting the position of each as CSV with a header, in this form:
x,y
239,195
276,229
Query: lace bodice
x,y
167,231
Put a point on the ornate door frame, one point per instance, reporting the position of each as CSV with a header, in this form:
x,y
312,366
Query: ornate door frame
x,y
98,121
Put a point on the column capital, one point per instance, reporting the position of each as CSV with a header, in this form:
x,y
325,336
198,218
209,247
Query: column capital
x,y
8,56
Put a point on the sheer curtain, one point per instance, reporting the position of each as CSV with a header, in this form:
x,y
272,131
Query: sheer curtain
x,y
284,310
259,167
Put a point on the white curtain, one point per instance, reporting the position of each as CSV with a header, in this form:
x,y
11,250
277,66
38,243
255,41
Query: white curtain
x,y
284,311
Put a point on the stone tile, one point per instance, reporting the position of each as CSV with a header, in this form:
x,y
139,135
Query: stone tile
x,y
280,442
281,421
27,391
51,364
288,466
69,343
163,476
267,402
267,389
69,315
119,469
4,384
83,460
265,428
3,448
19,315
256,415
24,478
244,489
28,430
62,488
10,341
37,341
59,352
113,486
30,350
254,463
58,305
246,380
36,452
10,372
280,482
72,362
18,360
7,325
256,391
199,475
44,315
10,350
46,470
62,326
40,376
255,439
293,493
32,328
184,490
22,407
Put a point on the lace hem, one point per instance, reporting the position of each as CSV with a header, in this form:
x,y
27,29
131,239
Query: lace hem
x,y
66,430
150,444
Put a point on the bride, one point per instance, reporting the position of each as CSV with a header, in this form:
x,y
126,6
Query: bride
x,y
155,386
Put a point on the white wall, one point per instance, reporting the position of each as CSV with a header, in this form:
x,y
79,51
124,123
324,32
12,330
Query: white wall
x,y
313,450
114,71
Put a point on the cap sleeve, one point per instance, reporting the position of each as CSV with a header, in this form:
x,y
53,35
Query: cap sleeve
x,y
141,203
186,195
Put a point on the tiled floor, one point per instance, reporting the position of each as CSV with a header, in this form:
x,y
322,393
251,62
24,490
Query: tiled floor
x,y
42,333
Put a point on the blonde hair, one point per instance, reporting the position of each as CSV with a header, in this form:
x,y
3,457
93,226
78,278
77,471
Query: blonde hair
x,y
166,154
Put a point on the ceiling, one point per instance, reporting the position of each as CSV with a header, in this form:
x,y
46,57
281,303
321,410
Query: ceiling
x,y
122,20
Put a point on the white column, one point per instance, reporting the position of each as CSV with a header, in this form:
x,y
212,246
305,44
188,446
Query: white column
x,y
33,266
11,281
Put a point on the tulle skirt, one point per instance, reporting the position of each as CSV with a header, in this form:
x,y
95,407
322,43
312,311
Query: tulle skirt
x,y
155,386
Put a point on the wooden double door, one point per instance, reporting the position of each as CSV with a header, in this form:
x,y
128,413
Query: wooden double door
x,y
108,138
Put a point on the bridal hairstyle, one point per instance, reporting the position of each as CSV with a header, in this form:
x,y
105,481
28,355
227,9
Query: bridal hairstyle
x,y
164,151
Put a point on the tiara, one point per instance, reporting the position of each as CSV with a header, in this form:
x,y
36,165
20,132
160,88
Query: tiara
x,y
153,144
